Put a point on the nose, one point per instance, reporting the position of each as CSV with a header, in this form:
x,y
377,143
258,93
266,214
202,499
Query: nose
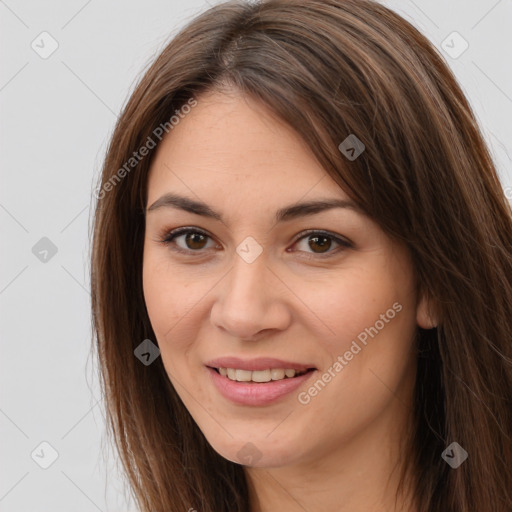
x,y
250,300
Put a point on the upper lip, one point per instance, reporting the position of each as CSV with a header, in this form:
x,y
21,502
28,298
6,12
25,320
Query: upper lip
x,y
260,363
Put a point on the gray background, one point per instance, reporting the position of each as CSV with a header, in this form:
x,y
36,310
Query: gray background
x,y
57,114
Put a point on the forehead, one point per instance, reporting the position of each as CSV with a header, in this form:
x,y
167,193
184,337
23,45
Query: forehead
x,y
228,143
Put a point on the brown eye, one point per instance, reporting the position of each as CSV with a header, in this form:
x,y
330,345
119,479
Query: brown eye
x,y
191,240
320,243
195,240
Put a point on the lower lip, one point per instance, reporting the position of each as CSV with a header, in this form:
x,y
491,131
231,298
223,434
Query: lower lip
x,y
249,393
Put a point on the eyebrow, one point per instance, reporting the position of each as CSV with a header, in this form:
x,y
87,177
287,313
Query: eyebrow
x,y
287,213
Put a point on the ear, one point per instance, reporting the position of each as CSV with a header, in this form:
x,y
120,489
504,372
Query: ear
x,y
425,317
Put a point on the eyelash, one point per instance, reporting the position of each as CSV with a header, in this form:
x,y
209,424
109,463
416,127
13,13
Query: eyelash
x,y
169,237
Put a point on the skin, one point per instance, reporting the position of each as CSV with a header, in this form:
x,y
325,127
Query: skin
x,y
337,452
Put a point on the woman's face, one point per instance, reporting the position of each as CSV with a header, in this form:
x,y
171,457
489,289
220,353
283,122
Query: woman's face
x,y
269,285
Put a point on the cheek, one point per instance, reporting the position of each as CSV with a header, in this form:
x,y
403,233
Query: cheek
x,y
371,310
372,313
167,297
354,300
175,301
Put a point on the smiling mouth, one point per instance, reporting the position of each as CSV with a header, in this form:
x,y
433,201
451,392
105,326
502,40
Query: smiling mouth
x,y
260,376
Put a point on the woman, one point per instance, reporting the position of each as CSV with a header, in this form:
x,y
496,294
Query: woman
x,y
301,272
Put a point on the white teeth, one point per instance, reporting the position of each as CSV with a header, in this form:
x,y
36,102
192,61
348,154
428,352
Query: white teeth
x,y
277,373
243,375
259,375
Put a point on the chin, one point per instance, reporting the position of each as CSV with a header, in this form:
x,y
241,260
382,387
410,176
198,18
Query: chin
x,y
257,451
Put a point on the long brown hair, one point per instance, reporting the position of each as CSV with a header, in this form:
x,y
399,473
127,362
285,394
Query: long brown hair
x,y
329,68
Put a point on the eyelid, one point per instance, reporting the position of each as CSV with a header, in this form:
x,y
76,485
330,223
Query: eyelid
x,y
169,236
343,243
338,238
